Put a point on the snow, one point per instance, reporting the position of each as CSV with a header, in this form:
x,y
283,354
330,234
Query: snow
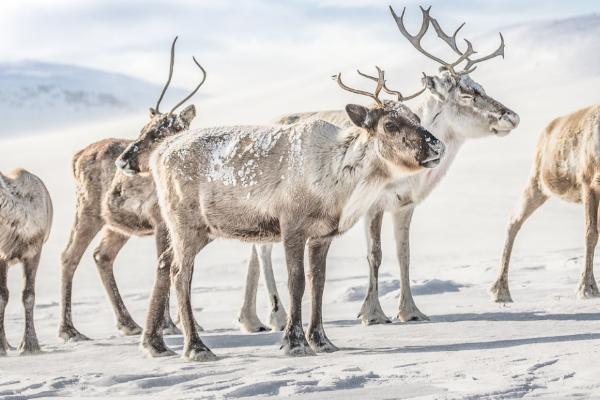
x,y
545,345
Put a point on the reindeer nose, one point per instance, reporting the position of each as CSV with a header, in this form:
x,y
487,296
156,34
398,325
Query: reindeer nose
x,y
510,118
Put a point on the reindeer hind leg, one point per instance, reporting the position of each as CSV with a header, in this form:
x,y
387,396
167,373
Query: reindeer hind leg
x,y
533,197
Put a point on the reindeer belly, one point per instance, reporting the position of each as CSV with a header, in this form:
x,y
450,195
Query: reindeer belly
x,y
242,224
559,176
131,205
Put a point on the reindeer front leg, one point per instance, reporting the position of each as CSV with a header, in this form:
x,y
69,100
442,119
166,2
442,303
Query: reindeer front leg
x,y
588,287
371,312
152,337
4,346
30,344
408,310
294,342
317,252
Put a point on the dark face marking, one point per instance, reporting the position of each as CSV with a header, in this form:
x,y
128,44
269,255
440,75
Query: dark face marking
x,y
135,157
402,141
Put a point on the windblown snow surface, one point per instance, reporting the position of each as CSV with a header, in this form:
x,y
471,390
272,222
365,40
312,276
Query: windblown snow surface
x,y
545,345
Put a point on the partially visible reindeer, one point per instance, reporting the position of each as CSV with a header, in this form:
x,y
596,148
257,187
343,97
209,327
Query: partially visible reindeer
x,y
25,220
111,200
455,109
566,165
301,184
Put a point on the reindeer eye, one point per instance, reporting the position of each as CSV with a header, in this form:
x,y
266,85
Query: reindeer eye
x,y
466,96
390,127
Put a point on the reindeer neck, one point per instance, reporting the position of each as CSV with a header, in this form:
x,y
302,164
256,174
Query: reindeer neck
x,y
435,118
357,176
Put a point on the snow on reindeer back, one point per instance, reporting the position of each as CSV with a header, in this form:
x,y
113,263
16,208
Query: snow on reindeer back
x,y
236,154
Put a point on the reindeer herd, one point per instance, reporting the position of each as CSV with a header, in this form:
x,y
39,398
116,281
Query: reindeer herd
x,y
303,180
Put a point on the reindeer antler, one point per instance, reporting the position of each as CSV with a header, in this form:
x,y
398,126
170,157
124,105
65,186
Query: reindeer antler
x,y
415,40
375,95
170,75
189,96
390,91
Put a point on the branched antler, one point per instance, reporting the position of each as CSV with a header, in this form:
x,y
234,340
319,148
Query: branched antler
x,y
390,91
375,95
415,40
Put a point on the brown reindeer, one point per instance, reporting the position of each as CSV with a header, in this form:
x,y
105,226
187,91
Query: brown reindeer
x,y
120,204
301,184
25,220
567,165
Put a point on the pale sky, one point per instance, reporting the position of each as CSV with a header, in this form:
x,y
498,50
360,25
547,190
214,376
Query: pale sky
x,y
248,46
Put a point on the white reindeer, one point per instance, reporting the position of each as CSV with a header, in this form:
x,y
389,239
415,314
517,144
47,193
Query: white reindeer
x,y
25,220
302,184
455,108
566,165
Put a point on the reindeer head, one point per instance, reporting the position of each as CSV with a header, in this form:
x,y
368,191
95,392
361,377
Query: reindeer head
x,y
161,125
459,99
400,141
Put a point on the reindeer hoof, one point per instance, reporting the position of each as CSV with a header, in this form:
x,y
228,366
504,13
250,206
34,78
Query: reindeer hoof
x,y
155,347
70,334
129,329
412,315
294,344
29,346
278,320
374,318
320,343
199,352
588,290
251,324
500,292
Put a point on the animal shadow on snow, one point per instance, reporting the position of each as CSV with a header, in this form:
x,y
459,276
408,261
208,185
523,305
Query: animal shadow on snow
x,y
494,344
514,316
220,341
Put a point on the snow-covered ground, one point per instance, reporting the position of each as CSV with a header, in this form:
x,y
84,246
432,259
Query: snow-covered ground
x,y
545,345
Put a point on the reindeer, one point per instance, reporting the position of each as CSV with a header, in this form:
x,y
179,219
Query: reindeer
x,y
566,165
455,108
113,201
302,184
25,220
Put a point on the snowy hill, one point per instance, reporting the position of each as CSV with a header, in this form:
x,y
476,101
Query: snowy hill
x,y
37,95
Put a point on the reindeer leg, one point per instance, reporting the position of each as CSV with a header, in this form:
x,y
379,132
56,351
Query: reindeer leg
x,y
278,316
86,226
247,318
294,341
371,312
188,243
104,255
588,287
532,199
408,310
4,346
188,236
30,344
152,338
162,245
317,250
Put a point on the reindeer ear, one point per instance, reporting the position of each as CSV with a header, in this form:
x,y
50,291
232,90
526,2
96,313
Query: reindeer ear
x,y
188,114
358,115
153,112
435,86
